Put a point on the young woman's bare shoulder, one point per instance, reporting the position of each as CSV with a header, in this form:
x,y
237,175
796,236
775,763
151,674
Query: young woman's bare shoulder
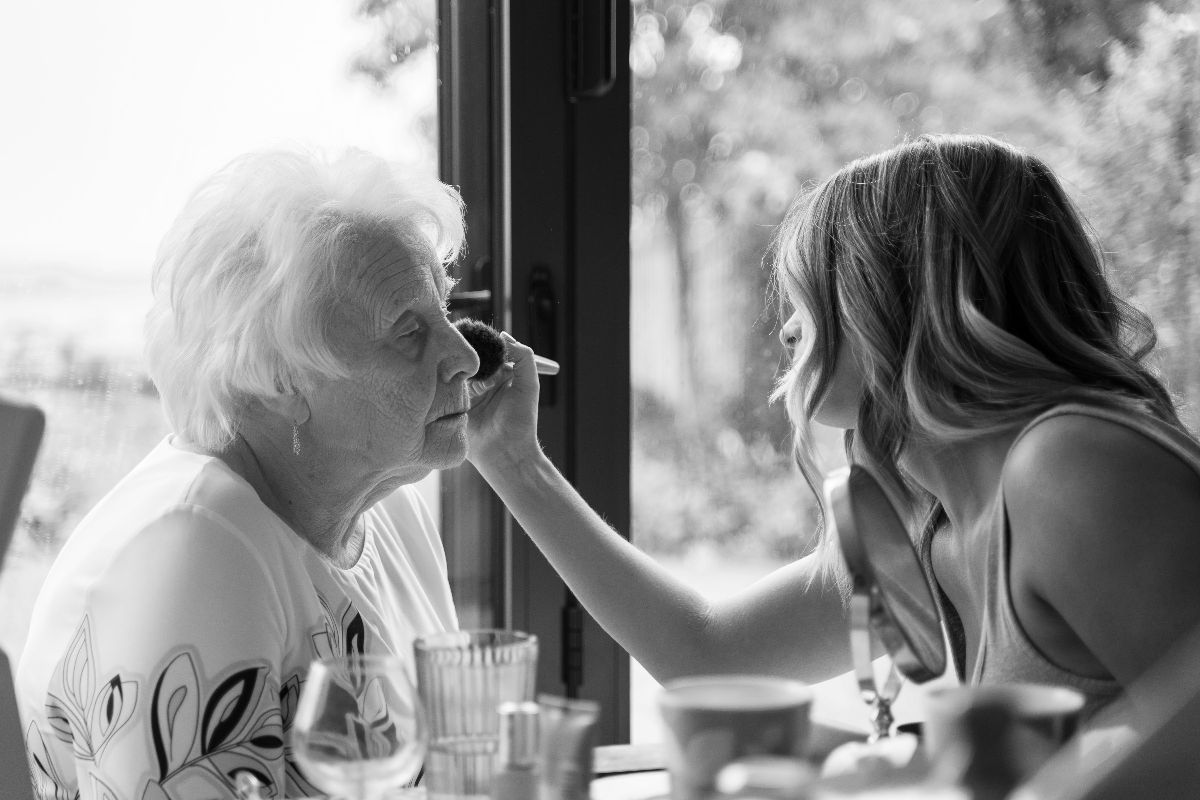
x,y
1068,479
1104,526
1095,461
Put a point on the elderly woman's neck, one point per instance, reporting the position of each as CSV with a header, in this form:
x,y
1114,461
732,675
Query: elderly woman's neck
x,y
321,501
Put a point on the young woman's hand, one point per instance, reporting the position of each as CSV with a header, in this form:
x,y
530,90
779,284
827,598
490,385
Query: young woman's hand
x,y
503,419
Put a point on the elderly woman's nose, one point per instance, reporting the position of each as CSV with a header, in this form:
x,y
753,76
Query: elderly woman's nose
x,y
458,355
789,334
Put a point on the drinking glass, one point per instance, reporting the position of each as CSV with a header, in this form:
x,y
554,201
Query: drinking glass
x,y
463,677
360,730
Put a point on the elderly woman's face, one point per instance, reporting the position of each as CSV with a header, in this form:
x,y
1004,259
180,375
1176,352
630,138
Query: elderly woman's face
x,y
403,406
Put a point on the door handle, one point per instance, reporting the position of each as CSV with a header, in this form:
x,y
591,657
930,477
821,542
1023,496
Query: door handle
x,y
475,304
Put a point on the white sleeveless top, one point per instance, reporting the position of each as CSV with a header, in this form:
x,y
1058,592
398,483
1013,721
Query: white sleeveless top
x,y
170,640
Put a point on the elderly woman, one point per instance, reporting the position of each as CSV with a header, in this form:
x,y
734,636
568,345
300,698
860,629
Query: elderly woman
x,y
300,343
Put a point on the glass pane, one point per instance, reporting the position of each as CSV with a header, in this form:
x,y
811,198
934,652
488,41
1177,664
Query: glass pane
x,y
737,104
123,108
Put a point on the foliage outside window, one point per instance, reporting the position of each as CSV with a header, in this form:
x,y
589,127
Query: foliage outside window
x,y
737,105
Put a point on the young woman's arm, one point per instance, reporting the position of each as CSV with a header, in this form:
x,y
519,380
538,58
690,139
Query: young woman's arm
x,y
1105,545
789,623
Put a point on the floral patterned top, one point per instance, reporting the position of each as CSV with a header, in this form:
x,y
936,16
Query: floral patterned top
x,y
173,633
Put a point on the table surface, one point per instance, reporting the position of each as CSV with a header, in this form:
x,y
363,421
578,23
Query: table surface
x,y
619,759
637,771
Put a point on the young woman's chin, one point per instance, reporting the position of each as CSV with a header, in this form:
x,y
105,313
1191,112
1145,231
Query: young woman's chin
x,y
834,414
829,415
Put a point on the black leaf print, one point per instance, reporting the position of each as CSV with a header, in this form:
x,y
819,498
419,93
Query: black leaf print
x,y
47,783
197,754
111,709
37,760
78,679
115,696
289,695
156,733
228,704
59,721
67,709
173,714
81,711
356,636
359,729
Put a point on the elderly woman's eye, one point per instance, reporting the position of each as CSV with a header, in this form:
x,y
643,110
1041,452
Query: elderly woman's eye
x,y
406,330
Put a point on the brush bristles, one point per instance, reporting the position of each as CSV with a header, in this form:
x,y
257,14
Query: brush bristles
x,y
487,343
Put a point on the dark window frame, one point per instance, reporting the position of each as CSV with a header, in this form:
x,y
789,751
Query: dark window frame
x,y
534,118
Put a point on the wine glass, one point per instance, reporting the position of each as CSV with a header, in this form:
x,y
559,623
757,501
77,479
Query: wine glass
x,y
360,729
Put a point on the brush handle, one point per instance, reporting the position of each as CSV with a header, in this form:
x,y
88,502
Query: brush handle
x,y
545,366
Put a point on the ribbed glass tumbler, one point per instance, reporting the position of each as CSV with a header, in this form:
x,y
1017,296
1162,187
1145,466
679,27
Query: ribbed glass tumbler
x,y
462,678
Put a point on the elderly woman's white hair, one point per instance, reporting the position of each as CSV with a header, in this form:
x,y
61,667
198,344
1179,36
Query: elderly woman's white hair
x,y
245,280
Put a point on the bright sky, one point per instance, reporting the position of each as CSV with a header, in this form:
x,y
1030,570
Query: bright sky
x,y
114,110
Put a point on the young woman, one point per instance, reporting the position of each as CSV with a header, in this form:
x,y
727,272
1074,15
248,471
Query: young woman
x,y
949,309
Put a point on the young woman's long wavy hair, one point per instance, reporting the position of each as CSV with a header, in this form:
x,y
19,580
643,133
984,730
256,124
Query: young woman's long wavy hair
x,y
972,294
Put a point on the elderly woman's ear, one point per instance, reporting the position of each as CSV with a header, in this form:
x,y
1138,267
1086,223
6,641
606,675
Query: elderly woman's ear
x,y
292,406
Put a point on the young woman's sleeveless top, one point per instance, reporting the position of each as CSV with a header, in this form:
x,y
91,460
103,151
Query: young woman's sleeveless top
x,y
1004,653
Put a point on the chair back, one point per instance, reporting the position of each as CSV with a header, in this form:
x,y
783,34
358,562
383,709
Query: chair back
x,y
21,428
14,767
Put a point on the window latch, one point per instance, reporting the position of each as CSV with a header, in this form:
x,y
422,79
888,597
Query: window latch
x,y
591,48
572,642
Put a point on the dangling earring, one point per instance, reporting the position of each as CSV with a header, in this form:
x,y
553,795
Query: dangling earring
x,y
295,439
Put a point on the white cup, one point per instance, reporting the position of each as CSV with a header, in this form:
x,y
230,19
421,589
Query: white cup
x,y
712,720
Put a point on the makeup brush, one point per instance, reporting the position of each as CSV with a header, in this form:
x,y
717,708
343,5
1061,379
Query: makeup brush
x,y
492,350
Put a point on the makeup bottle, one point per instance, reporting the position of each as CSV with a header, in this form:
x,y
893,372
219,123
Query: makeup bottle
x,y
568,733
515,777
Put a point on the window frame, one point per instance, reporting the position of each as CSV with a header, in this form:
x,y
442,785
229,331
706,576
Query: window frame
x,y
547,206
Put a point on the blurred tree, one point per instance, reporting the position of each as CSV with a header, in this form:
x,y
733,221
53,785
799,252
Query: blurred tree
x,y
398,60
1074,38
738,104
403,29
1071,37
1140,159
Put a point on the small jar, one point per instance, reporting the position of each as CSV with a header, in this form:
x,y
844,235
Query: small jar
x,y
515,776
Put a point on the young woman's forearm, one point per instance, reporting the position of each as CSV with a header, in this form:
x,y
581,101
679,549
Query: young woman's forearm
x,y
666,625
